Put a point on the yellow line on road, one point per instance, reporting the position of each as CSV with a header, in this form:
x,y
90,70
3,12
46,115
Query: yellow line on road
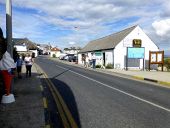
x,y
45,102
41,88
66,110
47,126
164,83
138,77
65,114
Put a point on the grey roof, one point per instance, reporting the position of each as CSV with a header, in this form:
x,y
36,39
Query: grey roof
x,y
24,41
108,42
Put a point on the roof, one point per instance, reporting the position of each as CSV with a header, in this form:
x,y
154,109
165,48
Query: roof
x,y
72,48
55,49
107,42
24,41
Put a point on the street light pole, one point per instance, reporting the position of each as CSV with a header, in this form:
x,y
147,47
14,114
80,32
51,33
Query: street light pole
x,y
9,27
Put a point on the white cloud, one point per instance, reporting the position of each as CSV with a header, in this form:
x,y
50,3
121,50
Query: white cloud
x,y
162,27
72,43
90,17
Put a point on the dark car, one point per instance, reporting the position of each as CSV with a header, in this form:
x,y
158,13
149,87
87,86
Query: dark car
x,y
71,58
68,57
75,59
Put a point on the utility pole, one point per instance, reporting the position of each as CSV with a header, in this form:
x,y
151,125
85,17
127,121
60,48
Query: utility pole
x,y
9,27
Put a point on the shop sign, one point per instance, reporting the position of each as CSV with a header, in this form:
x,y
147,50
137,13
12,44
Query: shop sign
x,y
137,43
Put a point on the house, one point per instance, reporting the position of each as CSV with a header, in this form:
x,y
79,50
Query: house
x,y
114,49
24,45
44,49
55,52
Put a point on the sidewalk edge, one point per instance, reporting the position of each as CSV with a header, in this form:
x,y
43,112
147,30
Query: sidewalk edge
x,y
167,84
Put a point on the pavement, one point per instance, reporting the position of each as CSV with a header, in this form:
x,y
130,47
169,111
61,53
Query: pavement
x,y
158,77
27,111
152,76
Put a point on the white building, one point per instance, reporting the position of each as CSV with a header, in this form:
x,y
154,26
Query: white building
x,y
24,46
55,52
21,48
114,49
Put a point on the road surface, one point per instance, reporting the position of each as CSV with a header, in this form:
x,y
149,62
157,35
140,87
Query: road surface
x,y
98,100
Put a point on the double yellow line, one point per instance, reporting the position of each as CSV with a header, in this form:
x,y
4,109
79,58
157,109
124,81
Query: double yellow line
x,y
66,116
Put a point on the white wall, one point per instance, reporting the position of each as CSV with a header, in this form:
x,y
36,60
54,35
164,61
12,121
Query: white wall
x,y
120,49
80,58
99,59
57,53
21,48
34,51
108,57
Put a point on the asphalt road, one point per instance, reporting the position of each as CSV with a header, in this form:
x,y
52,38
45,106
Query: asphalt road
x,y
98,100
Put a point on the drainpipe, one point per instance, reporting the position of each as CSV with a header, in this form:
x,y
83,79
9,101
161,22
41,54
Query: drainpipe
x,y
113,57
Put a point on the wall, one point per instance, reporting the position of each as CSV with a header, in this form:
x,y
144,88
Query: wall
x,y
80,58
99,58
121,49
108,57
21,48
35,52
57,53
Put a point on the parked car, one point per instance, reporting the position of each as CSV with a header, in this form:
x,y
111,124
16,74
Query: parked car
x,y
62,55
75,58
68,57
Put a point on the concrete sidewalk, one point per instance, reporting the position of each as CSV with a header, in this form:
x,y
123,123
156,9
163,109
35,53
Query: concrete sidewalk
x,y
153,76
159,77
27,111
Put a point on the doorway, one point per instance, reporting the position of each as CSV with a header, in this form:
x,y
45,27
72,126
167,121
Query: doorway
x,y
104,61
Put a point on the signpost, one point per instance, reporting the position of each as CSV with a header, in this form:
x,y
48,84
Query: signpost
x,y
156,57
9,27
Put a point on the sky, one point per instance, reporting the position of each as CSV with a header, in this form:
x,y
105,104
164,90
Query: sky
x,y
67,23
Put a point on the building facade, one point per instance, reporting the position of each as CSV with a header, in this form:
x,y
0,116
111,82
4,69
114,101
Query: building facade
x,y
55,52
114,49
24,46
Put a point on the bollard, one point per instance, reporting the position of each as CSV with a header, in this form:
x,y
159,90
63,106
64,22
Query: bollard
x,y
7,78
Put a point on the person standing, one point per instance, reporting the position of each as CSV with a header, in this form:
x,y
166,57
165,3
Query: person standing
x,y
19,66
28,63
86,61
94,60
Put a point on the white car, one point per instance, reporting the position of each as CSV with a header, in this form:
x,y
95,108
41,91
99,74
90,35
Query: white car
x,y
62,55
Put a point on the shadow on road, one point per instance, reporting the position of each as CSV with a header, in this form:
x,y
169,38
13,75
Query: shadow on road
x,y
68,98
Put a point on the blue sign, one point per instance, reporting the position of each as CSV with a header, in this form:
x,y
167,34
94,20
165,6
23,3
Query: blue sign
x,y
138,53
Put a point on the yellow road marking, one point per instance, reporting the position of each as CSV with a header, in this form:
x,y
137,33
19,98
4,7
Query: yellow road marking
x,y
47,126
41,88
59,106
66,116
45,102
164,83
138,77
66,110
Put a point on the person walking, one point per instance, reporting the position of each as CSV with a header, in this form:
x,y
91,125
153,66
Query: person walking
x,y
19,63
28,63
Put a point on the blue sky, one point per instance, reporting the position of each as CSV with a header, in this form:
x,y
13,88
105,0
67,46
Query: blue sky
x,y
76,22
